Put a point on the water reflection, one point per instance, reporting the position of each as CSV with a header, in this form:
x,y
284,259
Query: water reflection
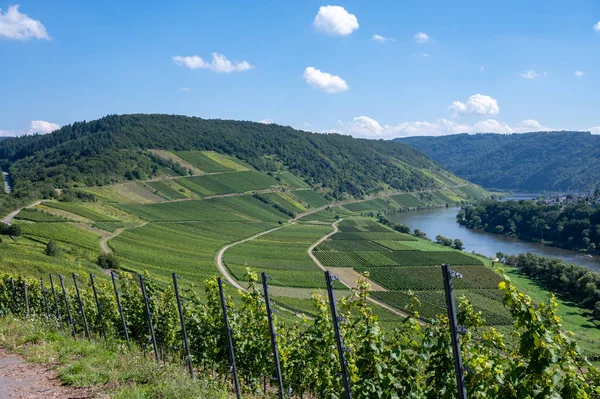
x,y
443,221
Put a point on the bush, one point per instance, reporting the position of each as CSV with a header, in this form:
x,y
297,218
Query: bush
x,y
52,248
108,261
14,230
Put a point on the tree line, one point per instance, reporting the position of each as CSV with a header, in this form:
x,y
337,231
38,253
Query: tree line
x,y
114,149
572,226
571,281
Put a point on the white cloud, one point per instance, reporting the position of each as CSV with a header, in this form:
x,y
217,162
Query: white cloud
x,y
594,129
481,68
185,89
363,126
477,104
529,74
324,81
307,125
382,39
597,27
266,121
366,127
421,37
219,63
17,26
335,20
42,127
579,74
6,133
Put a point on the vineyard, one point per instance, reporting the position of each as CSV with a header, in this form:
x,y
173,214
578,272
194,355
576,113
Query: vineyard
x,y
311,198
227,183
404,265
228,337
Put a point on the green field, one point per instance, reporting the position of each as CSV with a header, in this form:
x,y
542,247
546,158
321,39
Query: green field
x,y
403,263
311,198
230,209
186,248
81,210
286,201
292,180
166,190
282,254
228,183
36,215
64,232
201,161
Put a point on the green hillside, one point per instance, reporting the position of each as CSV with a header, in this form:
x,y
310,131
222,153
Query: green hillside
x,y
550,161
115,148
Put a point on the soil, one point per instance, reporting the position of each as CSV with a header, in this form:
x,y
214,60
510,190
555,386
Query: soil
x,y
22,380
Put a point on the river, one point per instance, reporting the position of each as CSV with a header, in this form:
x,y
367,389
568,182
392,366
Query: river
x,y
443,221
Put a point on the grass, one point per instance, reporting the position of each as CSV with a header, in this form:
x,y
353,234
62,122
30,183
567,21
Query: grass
x,y
109,368
574,318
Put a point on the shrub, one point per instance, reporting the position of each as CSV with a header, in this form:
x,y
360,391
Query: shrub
x,y
108,261
52,248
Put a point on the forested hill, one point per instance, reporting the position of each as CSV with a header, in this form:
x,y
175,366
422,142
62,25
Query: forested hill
x,y
552,161
109,149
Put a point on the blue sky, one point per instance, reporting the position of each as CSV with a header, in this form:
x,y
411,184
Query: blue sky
x,y
449,67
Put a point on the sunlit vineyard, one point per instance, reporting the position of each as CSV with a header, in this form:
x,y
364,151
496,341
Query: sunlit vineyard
x,y
417,359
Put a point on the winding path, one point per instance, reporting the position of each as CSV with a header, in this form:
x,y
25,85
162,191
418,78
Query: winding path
x,y
219,257
11,215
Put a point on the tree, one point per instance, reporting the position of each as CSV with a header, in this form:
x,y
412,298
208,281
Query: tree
x,y
3,229
419,233
52,248
14,230
458,244
108,261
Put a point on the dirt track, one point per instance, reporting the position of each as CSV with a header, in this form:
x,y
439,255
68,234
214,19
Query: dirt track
x,y
20,380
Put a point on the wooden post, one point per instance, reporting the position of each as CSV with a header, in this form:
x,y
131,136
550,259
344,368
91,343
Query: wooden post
x,y
236,381
458,366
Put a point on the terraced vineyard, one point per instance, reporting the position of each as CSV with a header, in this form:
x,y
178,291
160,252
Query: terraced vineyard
x,y
228,183
282,254
402,263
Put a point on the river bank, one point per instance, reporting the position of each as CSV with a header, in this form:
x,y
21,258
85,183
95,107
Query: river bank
x,y
443,221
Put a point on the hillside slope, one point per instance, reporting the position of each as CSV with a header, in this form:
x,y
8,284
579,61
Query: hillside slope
x,y
115,147
553,161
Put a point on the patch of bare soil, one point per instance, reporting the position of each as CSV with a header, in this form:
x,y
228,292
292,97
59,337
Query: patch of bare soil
x,y
22,380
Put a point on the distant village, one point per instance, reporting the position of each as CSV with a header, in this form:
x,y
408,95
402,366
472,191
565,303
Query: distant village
x,y
589,198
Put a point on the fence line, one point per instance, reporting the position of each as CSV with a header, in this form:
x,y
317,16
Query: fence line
x,y
38,305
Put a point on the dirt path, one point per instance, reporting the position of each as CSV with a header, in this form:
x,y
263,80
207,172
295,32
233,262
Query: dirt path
x,y
20,380
11,215
219,258
104,241
347,284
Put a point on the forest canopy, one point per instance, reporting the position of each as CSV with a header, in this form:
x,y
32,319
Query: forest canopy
x,y
114,148
542,161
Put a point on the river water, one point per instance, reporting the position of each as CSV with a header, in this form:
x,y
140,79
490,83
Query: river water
x,y
443,221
